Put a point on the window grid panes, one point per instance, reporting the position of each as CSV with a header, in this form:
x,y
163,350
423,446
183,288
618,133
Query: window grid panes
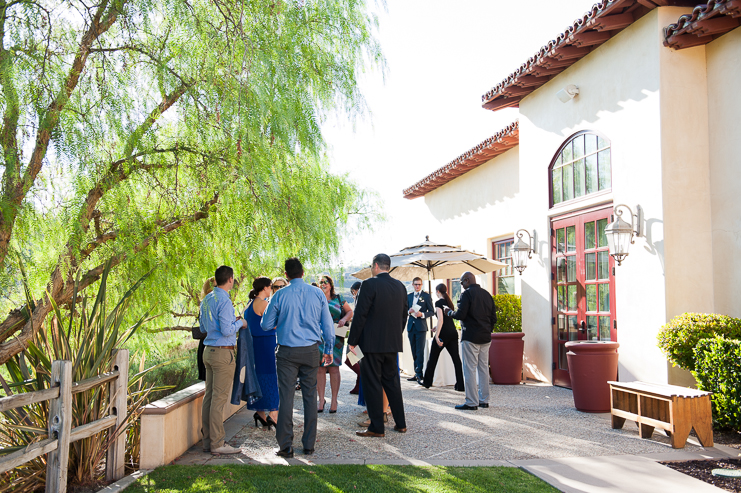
x,y
597,281
504,279
581,168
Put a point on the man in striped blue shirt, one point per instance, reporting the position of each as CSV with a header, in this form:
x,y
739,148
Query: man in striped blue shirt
x,y
305,330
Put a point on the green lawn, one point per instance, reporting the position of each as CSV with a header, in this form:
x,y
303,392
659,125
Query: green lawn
x,y
304,479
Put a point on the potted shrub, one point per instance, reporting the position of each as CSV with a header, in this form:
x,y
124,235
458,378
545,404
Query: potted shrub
x,y
507,344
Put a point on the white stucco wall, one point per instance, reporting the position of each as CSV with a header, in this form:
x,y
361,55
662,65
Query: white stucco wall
x,y
479,206
670,148
724,109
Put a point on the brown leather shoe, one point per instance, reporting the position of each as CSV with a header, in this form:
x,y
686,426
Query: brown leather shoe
x,y
368,433
400,430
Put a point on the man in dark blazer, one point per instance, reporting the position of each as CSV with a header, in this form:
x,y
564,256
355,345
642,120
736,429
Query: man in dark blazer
x,y
417,326
378,322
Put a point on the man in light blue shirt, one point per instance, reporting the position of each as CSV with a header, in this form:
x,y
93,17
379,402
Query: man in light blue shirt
x,y
218,321
305,330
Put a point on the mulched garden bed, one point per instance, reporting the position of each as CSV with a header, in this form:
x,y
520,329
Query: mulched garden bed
x,y
702,469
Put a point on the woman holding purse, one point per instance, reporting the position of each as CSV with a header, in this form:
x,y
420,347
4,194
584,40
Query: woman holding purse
x,y
341,315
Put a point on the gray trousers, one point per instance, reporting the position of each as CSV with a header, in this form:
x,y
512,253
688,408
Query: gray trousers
x,y
292,362
476,364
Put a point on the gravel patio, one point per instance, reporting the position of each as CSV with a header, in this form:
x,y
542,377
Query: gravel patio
x,y
527,421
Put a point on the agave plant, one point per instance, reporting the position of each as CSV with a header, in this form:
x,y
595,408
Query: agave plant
x,y
86,334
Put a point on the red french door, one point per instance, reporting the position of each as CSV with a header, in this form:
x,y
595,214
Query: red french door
x,y
583,281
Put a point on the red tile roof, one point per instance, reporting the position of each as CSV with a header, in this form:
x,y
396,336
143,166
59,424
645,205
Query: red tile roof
x,y
706,22
495,145
604,20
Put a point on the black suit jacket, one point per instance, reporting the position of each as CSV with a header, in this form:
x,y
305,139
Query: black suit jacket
x,y
426,308
380,315
477,313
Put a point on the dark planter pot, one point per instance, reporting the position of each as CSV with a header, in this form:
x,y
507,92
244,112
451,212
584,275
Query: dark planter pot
x,y
505,357
591,365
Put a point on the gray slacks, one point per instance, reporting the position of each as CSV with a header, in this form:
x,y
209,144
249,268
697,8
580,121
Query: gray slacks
x,y
292,362
476,364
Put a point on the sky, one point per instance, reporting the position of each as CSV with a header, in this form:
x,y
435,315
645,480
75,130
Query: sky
x,y
442,56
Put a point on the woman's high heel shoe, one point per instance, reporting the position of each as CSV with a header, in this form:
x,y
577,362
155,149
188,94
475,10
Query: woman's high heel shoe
x,y
271,422
261,420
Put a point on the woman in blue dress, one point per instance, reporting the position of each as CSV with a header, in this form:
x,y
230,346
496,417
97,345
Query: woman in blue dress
x,y
265,342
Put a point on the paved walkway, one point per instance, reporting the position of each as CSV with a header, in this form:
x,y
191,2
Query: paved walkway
x,y
532,426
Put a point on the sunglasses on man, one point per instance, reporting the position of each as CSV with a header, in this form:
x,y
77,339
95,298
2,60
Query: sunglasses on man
x,y
276,287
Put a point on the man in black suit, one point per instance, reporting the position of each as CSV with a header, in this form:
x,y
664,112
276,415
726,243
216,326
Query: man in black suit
x,y
417,326
378,322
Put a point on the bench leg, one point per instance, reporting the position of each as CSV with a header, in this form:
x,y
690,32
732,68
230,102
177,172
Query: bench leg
x,y
617,422
702,420
645,431
682,422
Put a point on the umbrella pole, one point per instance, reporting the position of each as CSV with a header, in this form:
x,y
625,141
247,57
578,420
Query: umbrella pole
x,y
429,290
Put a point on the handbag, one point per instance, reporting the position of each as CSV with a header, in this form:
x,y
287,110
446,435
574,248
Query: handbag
x,y
195,332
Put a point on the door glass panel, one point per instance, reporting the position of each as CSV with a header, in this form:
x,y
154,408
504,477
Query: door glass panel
x,y
601,236
562,334
591,297
560,240
568,182
604,297
557,186
572,297
563,361
589,235
571,266
571,239
604,328
591,267
592,173
561,269
561,298
605,173
592,329
578,147
579,178
604,265
602,142
573,328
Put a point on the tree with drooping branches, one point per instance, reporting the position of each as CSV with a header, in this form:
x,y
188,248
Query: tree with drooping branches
x,y
172,133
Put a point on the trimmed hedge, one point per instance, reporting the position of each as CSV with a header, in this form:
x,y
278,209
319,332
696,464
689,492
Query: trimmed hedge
x,y
681,335
718,370
509,313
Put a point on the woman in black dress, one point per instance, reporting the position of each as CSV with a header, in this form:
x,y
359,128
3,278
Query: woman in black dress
x,y
446,337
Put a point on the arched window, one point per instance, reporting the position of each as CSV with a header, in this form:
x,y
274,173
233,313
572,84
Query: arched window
x,y
582,166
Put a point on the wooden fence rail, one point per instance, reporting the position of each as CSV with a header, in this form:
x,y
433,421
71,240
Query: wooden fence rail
x,y
59,428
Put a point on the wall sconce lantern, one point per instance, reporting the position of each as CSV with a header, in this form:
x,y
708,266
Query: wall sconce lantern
x,y
522,251
620,233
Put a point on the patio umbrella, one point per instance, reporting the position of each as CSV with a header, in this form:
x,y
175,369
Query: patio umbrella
x,y
435,261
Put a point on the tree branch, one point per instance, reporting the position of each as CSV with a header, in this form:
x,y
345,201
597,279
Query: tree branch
x,y
104,17
62,291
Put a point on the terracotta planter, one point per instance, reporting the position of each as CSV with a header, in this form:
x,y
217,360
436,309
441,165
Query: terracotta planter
x,y
505,357
591,365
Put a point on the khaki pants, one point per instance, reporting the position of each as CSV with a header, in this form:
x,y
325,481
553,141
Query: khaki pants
x,y
220,364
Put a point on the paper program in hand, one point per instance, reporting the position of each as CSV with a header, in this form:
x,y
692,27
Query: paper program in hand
x,y
356,356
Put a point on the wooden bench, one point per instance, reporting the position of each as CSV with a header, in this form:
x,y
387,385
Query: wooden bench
x,y
674,409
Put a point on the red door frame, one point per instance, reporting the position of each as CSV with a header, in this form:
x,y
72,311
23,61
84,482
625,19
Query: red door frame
x,y
573,322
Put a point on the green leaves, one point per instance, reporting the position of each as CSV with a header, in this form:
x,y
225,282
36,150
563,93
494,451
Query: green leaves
x,y
509,313
176,103
679,338
718,370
